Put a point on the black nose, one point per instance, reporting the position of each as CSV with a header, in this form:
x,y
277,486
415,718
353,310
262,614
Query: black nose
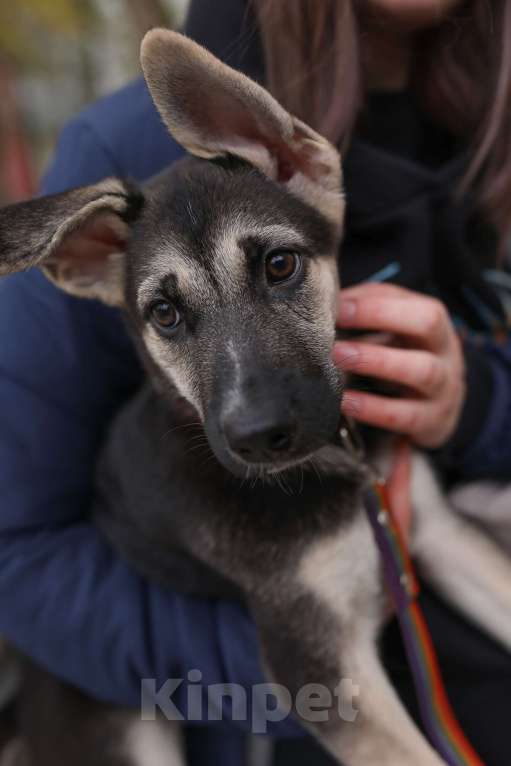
x,y
258,441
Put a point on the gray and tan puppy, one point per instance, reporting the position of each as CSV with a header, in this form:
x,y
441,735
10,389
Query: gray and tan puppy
x,y
226,266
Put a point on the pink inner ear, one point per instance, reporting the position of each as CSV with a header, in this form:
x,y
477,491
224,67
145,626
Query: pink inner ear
x,y
296,158
226,119
94,240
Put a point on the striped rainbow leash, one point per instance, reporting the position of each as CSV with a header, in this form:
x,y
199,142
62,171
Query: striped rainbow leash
x,y
440,724
439,721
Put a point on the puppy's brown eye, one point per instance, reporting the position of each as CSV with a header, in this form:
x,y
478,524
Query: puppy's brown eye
x,y
281,266
165,315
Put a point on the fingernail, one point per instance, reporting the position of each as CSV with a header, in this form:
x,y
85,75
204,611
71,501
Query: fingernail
x,y
347,310
345,353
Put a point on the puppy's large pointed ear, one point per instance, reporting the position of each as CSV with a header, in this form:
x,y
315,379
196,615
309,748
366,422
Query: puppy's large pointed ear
x,y
213,110
77,237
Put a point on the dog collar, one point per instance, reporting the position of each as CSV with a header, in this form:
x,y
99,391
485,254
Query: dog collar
x,y
440,723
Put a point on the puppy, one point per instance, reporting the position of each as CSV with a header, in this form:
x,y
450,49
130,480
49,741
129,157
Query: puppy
x,y
226,267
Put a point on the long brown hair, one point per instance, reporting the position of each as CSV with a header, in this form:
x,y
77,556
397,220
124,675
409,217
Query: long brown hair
x,y
462,75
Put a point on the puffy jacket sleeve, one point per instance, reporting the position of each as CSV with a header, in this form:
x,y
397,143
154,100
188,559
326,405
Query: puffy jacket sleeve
x,y
66,599
481,446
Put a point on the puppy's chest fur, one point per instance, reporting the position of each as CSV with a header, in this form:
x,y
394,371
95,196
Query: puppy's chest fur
x,y
182,519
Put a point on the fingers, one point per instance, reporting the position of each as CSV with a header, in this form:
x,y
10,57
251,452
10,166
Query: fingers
x,y
392,309
426,373
430,363
399,415
428,425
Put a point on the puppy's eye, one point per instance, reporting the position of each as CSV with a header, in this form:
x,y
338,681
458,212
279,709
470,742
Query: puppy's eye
x,y
281,266
165,315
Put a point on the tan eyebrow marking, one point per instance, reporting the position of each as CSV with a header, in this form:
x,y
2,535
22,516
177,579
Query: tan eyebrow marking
x,y
191,280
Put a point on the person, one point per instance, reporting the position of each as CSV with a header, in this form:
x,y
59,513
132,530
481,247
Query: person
x,y
417,93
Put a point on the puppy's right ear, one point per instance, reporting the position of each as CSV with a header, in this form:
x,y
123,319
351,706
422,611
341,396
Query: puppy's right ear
x,y
77,237
213,110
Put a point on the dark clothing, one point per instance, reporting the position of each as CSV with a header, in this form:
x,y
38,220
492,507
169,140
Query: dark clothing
x,y
400,175
66,365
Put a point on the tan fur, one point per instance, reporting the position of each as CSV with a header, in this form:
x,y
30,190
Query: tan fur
x,y
191,280
175,366
230,260
154,743
383,733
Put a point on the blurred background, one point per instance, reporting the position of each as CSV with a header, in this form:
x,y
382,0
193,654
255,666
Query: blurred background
x,y
55,57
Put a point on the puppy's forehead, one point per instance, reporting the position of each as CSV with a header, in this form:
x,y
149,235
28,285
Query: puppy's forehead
x,y
216,266
198,219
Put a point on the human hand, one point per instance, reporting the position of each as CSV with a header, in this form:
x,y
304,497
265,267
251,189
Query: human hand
x,y
426,359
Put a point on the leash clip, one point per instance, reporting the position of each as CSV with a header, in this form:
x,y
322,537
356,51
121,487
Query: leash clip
x,y
350,438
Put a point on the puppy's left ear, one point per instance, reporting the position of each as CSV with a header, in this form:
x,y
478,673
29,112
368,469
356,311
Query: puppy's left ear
x,y
77,237
213,110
